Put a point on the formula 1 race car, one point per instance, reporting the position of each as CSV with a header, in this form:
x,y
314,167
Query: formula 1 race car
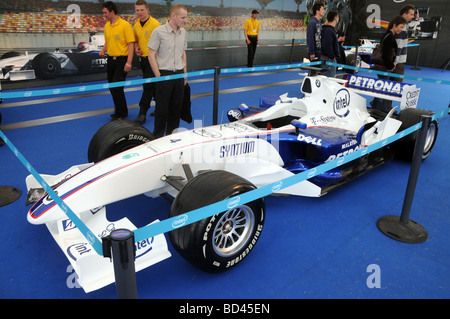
x,y
364,52
48,65
261,145
423,26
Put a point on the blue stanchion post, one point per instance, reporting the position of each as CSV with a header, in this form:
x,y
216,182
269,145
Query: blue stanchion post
x,y
402,228
119,246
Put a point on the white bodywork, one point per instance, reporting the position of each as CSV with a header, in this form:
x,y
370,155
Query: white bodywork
x,y
234,147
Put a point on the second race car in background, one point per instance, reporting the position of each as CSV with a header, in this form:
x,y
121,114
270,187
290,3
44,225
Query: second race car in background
x,y
85,59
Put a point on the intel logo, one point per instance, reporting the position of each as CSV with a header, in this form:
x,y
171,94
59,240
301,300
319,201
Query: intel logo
x,y
233,202
180,221
312,173
277,186
341,103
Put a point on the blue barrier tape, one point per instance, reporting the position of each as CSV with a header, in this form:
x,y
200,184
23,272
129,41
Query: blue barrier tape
x,y
415,78
103,86
87,233
269,68
218,207
371,47
210,210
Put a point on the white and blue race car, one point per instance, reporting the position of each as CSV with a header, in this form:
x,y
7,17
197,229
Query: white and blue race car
x,y
85,59
277,139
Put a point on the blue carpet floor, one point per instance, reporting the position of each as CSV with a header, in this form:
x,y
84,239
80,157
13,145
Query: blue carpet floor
x,y
310,247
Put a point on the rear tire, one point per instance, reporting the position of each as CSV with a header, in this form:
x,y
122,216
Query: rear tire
x,y
116,137
404,148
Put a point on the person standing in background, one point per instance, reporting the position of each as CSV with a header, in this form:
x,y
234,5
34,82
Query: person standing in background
x,y
314,32
167,56
251,33
407,12
143,29
389,52
119,45
329,43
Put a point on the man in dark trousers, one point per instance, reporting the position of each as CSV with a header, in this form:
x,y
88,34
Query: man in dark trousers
x,y
143,29
119,45
330,46
167,56
251,33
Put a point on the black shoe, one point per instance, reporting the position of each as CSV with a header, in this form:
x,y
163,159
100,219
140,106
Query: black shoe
x,y
114,116
140,119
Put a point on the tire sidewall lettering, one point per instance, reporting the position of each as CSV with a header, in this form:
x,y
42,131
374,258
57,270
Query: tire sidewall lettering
x,y
227,262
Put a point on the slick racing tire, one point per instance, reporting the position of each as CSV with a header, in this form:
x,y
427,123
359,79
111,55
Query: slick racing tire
x,y
350,60
404,148
10,54
221,241
115,137
46,66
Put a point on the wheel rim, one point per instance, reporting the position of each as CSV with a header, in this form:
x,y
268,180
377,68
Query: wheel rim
x,y
233,230
429,140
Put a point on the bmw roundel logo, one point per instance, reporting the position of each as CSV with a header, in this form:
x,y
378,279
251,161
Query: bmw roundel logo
x,y
318,83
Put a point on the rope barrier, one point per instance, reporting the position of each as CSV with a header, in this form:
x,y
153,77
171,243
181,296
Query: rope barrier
x,y
415,78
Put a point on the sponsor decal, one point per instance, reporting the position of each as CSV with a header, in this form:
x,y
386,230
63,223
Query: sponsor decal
x,y
144,246
207,133
278,185
310,140
341,103
376,85
312,172
349,144
180,221
237,149
240,128
410,97
322,120
67,225
99,62
233,202
349,151
128,156
77,250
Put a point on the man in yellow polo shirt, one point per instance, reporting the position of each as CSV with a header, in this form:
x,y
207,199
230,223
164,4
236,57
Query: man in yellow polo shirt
x,y
251,33
119,45
143,29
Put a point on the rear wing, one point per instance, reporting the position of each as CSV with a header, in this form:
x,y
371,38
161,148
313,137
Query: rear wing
x,y
406,94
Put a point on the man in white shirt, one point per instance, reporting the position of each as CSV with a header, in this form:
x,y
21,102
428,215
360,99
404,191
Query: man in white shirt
x,y
167,56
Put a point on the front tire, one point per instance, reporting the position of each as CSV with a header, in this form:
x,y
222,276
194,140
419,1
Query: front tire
x,y
46,66
116,137
217,243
